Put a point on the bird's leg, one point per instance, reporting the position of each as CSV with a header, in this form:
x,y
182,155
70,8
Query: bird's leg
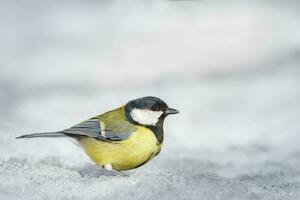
x,y
108,167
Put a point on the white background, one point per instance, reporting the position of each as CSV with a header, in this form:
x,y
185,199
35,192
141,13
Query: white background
x,y
231,68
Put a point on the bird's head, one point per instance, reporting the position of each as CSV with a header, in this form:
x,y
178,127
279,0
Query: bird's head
x,y
148,111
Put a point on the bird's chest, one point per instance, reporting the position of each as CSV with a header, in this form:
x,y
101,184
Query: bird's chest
x,y
141,147
133,152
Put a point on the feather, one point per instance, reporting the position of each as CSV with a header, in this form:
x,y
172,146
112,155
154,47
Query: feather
x,y
46,134
111,126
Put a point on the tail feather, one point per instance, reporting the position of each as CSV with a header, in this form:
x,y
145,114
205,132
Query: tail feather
x,y
47,134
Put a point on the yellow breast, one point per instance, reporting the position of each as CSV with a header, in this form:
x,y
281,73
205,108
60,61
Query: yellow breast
x,y
139,148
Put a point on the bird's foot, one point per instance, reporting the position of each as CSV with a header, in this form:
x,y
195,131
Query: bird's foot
x,y
109,168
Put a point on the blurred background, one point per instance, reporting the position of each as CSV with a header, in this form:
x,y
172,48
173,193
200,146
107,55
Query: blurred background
x,y
230,67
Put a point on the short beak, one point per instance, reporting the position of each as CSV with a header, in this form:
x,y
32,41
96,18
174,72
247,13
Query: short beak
x,y
171,111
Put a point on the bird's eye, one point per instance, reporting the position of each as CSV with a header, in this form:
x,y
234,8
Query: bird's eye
x,y
155,108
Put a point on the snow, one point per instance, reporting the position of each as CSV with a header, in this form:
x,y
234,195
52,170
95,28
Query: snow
x,y
237,134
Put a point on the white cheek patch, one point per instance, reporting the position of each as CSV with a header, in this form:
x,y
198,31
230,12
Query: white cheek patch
x,y
145,117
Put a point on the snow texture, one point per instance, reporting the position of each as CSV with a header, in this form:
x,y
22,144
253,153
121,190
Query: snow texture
x,y
232,69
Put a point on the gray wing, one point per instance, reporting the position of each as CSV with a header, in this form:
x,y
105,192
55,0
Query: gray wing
x,y
118,130
115,131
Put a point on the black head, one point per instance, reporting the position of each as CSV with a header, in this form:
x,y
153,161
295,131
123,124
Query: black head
x,y
148,110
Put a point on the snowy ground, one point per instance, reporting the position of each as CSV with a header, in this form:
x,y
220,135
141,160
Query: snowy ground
x,y
232,69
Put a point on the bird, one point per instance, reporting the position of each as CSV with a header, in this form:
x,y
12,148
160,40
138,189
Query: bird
x,y
122,139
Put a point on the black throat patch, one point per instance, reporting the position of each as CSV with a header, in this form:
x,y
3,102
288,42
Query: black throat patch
x,y
158,131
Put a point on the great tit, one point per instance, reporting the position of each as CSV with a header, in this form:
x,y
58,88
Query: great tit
x,y
121,139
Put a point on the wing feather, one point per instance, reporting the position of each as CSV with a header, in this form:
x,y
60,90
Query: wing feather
x,y
113,130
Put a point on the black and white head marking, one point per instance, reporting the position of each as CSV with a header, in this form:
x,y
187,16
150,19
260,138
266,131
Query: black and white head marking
x,y
149,112
146,111
145,116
